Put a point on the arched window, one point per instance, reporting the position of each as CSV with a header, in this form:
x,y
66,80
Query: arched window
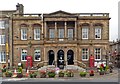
x,y
23,55
37,55
85,30
37,31
98,30
23,28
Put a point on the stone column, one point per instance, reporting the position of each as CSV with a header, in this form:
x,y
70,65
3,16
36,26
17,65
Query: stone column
x,y
65,29
75,30
45,57
55,54
75,57
91,33
56,31
65,57
45,32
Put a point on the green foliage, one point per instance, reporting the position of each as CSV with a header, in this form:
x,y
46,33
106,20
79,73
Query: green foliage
x,y
20,69
51,74
83,73
101,69
69,73
106,68
8,73
4,70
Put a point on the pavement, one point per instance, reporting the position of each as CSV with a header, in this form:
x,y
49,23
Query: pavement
x,y
111,77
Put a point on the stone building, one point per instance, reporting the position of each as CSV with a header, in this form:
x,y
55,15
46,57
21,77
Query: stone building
x,y
59,38
115,53
5,34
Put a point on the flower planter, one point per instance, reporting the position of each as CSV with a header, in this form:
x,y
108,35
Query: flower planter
x,y
61,74
51,75
101,72
83,74
8,74
91,74
19,75
42,75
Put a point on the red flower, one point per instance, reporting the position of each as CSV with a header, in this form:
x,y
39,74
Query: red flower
x,y
91,72
42,71
4,66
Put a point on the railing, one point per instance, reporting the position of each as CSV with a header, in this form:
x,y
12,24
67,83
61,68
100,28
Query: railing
x,y
28,15
94,14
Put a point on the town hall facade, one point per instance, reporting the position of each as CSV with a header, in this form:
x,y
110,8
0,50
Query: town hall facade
x,y
59,38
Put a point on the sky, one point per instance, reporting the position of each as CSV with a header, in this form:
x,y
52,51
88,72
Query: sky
x,y
72,6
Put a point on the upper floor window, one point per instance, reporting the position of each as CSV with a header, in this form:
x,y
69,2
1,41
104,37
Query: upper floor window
x,y
2,39
85,54
23,55
37,55
85,32
37,33
2,24
2,57
97,53
98,32
70,34
61,34
23,34
51,33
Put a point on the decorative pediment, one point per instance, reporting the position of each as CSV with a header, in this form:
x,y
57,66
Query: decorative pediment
x,y
59,13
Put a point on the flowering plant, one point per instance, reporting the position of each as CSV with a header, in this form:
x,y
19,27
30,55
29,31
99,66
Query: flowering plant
x,y
33,74
43,73
69,73
4,68
61,74
51,73
83,73
91,72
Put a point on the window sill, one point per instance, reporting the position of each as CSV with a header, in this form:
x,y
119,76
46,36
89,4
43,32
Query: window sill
x,y
23,60
2,62
97,59
2,44
37,60
84,59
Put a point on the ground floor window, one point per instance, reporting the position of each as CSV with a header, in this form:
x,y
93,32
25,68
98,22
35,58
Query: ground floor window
x,y
2,57
23,55
97,52
37,55
85,54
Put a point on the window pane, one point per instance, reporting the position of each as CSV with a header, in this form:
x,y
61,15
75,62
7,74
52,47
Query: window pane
x,y
37,55
85,32
61,33
85,54
2,39
2,56
37,34
98,32
70,33
2,24
51,33
97,53
24,34
23,55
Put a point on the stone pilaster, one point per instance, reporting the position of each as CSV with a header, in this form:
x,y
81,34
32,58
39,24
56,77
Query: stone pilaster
x,y
56,36
75,30
65,29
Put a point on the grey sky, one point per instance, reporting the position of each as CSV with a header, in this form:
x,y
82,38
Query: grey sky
x,y
72,6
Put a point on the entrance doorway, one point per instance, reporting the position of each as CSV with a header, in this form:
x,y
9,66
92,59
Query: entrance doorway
x,y
60,59
70,57
51,57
